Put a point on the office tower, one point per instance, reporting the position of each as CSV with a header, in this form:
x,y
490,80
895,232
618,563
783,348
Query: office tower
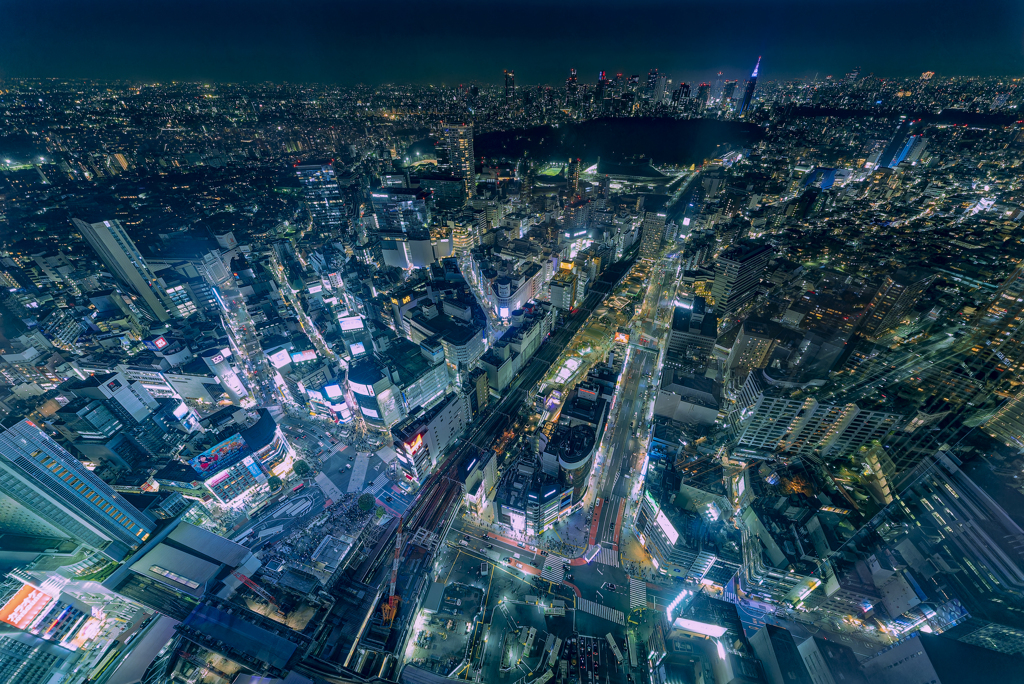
x,y
28,659
510,86
693,334
750,350
1001,324
602,88
1007,424
827,661
729,89
461,157
322,193
572,177
652,84
653,229
119,254
897,295
703,94
47,492
571,87
748,93
923,657
403,218
737,274
779,655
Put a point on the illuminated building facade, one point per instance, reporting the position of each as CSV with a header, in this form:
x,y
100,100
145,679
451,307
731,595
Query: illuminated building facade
x,y
422,439
48,492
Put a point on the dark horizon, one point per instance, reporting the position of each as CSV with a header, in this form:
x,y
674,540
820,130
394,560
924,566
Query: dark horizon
x,y
456,42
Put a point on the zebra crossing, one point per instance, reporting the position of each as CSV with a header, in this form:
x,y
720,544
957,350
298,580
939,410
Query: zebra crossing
x,y
637,593
600,611
553,570
608,557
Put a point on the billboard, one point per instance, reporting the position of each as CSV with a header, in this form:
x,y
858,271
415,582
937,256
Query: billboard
x,y
303,356
155,345
223,455
357,348
280,358
351,322
333,391
666,527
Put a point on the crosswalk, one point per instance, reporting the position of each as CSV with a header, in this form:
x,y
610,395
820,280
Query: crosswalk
x,y
553,570
600,611
637,593
608,557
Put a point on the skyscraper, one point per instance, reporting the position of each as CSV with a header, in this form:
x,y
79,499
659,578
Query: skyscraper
x,y
572,177
898,293
571,86
45,491
510,86
460,153
703,93
737,274
119,254
748,93
652,231
322,193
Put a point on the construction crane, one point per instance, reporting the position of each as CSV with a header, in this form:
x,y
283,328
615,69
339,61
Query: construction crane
x,y
390,609
257,589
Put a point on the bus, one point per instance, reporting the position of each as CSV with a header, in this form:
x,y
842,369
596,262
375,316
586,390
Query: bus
x,y
544,678
614,646
298,487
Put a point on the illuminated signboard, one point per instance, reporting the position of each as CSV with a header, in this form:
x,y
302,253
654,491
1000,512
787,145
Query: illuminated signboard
x,y
304,356
699,627
503,312
252,465
24,606
223,455
114,385
280,358
667,527
415,444
357,348
217,359
369,413
160,343
351,322
181,411
218,478
622,338
226,352
365,390
333,391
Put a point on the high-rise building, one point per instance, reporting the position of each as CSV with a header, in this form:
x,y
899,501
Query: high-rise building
x,y
703,94
510,86
571,87
119,254
1001,324
572,177
729,89
322,194
653,230
693,334
460,153
45,491
898,293
748,92
737,273
28,659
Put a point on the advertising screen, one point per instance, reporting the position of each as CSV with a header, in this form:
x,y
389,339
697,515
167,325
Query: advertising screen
x,y
365,390
357,348
333,391
369,413
280,358
351,322
622,338
304,356
217,458
180,411
667,527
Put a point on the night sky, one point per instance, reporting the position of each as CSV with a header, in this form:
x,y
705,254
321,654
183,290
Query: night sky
x,y
354,41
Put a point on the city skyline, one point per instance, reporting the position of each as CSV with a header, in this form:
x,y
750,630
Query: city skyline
x,y
356,43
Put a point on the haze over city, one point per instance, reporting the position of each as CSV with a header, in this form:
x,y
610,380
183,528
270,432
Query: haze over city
x,y
548,343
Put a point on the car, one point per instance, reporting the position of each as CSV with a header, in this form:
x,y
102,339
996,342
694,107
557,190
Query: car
x,y
490,546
